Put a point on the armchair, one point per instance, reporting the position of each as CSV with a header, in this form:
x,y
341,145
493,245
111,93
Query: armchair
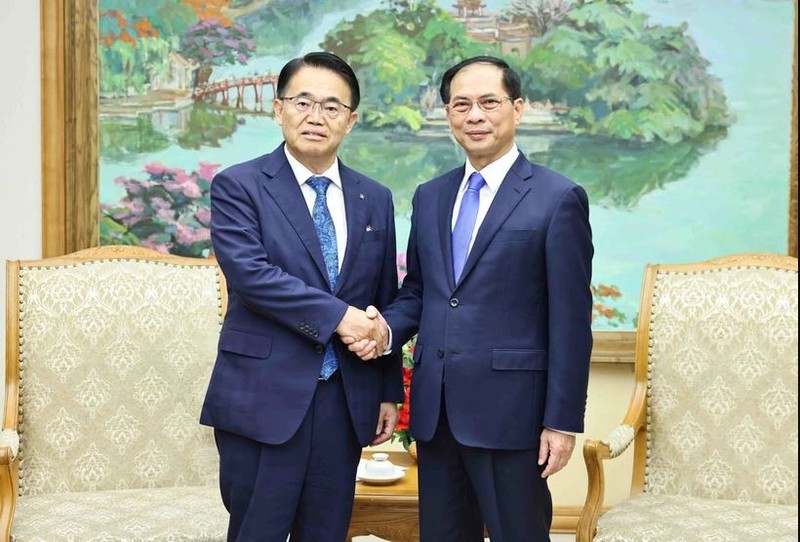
x,y
109,351
713,417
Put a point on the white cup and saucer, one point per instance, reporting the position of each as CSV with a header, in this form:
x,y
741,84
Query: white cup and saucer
x,y
379,470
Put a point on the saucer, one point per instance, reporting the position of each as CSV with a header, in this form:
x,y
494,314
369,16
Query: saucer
x,y
380,480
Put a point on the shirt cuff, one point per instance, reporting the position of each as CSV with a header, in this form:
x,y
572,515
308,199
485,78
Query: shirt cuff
x,y
389,344
562,432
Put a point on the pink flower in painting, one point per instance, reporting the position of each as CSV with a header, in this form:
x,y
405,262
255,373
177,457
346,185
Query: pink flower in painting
x,y
169,211
160,204
188,236
191,190
160,247
155,169
203,216
207,170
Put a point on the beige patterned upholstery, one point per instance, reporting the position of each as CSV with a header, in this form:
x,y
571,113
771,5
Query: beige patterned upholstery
x,y
714,413
110,351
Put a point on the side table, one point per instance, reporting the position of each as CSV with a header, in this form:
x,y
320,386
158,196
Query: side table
x,y
389,512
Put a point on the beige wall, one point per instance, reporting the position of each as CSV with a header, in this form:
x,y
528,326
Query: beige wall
x,y
610,385
20,184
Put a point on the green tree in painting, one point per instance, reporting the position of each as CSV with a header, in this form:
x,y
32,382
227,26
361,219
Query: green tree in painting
x,y
617,75
624,78
135,41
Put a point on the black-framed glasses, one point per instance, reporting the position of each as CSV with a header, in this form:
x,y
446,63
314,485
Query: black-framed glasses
x,y
488,103
305,104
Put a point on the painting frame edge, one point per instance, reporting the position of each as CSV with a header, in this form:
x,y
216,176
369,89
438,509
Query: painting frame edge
x,y
70,191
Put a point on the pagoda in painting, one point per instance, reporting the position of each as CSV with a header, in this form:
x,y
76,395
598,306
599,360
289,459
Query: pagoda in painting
x,y
513,38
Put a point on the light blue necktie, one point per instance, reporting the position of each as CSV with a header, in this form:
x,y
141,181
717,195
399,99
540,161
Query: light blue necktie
x,y
465,223
327,240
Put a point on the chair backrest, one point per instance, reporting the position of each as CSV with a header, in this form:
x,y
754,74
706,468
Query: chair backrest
x,y
109,354
719,341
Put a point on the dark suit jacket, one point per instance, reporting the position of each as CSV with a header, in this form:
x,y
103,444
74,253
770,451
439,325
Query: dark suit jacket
x,y
510,343
281,311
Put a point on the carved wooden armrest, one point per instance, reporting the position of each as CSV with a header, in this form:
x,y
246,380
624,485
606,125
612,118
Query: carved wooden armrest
x,y
596,451
10,438
9,472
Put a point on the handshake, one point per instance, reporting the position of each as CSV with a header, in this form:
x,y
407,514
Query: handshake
x,y
364,332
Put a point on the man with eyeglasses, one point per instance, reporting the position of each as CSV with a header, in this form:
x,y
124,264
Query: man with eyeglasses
x,y
305,244
498,288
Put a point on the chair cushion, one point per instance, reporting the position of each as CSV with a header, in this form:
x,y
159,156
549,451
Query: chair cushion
x,y
674,518
152,515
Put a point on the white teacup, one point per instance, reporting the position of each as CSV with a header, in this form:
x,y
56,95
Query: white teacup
x,y
379,466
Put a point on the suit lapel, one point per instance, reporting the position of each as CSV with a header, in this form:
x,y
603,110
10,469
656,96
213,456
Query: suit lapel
x,y
285,190
511,191
445,214
355,206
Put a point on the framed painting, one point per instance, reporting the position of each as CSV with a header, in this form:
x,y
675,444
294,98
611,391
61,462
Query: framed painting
x,y
683,134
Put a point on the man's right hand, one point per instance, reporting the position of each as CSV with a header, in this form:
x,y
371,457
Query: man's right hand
x,y
365,333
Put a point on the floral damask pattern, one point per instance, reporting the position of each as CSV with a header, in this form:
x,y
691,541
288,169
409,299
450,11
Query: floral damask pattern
x,y
722,412
114,360
678,518
155,515
728,365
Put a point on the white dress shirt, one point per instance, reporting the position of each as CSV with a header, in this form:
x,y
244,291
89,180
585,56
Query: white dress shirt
x,y
335,197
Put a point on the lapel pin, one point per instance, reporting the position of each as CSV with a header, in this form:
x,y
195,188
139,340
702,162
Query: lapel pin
x,y
369,227
362,196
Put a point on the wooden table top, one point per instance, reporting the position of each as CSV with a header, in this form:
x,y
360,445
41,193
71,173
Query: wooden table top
x,y
405,487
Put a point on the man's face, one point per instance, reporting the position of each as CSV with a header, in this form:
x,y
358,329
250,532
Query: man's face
x,y
484,135
312,136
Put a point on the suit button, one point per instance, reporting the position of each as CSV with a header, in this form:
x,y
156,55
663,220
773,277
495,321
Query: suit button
x,y
454,302
319,349
440,353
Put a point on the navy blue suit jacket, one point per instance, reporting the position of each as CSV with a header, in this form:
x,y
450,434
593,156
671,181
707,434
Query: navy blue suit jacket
x,y
511,341
281,311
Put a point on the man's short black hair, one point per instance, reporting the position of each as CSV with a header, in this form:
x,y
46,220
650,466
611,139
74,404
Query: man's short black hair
x,y
511,80
328,61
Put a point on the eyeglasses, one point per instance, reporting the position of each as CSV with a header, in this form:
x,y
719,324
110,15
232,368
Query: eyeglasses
x,y
304,104
489,103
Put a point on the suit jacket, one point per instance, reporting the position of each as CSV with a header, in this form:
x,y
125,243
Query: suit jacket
x,y
510,342
281,311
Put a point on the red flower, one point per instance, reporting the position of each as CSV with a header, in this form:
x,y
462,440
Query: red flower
x,y
404,414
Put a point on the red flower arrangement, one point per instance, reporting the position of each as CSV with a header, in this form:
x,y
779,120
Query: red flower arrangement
x,y
401,433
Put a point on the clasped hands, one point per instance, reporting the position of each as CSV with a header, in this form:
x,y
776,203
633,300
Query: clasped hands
x,y
364,332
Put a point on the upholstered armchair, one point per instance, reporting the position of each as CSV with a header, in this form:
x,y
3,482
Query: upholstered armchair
x,y
109,352
713,417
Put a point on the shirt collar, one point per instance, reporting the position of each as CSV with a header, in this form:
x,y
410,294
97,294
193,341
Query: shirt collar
x,y
495,172
302,173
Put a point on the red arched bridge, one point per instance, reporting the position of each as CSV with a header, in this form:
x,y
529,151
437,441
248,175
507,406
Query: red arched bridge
x,y
221,91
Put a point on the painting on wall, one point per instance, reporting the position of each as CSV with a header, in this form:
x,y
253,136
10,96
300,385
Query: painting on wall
x,y
677,126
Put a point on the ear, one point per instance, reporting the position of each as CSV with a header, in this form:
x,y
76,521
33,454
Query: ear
x,y
519,108
351,121
277,109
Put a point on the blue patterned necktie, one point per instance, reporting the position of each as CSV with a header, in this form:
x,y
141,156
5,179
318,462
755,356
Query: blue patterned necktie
x,y
327,240
465,223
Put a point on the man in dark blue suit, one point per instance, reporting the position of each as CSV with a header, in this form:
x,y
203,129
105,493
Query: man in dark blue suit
x,y
304,242
498,287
